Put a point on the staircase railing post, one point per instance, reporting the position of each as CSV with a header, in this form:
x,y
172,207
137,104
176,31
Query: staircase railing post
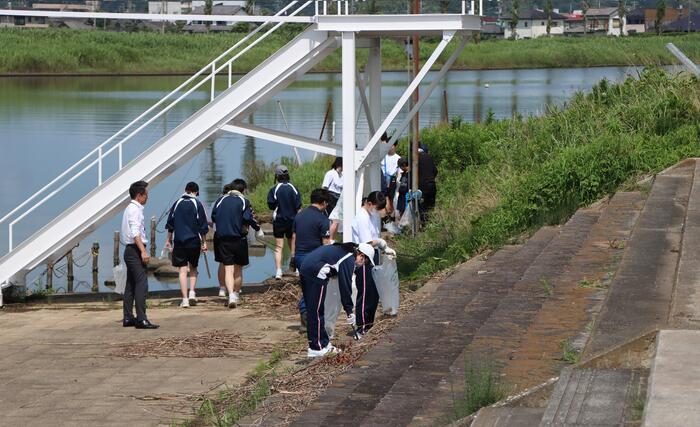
x,y
213,79
121,156
9,237
99,166
230,73
464,7
471,10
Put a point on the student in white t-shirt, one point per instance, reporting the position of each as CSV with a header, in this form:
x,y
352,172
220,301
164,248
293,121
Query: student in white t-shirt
x,y
333,182
365,229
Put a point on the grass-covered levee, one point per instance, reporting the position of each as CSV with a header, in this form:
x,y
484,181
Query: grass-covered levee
x,y
503,178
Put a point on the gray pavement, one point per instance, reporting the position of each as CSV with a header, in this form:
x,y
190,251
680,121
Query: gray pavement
x,y
62,366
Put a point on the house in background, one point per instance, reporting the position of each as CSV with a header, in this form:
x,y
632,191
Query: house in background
x,y
532,23
643,20
574,24
685,24
605,21
218,26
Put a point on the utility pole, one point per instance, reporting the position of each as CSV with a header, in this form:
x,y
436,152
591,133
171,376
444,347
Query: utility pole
x,y
415,125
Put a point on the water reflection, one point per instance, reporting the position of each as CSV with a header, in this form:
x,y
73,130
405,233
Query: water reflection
x,y
55,121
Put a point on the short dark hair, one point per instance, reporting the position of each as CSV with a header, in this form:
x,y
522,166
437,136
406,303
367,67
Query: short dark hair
x,y
338,162
319,196
191,187
385,137
239,185
402,162
284,177
137,188
227,188
378,199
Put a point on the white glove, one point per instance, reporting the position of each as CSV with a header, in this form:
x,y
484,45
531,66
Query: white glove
x,y
381,244
390,252
350,319
324,272
260,234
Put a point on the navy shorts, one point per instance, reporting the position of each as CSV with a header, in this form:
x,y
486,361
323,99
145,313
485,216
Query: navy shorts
x,y
231,250
183,256
282,230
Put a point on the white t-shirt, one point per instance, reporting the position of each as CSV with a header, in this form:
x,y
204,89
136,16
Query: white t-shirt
x,y
364,227
390,164
333,181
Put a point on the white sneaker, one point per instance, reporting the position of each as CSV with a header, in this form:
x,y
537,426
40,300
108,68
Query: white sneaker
x,y
328,350
185,303
331,349
222,293
193,298
232,300
278,275
350,319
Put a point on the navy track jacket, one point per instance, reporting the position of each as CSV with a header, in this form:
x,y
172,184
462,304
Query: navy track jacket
x,y
285,201
187,221
231,214
327,261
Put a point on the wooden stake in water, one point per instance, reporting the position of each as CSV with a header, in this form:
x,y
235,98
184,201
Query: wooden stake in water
x,y
153,236
95,256
69,275
116,248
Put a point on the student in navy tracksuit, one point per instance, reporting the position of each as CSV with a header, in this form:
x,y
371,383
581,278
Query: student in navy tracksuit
x,y
310,231
187,229
285,202
318,267
232,215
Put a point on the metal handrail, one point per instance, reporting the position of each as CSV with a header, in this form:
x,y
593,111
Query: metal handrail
x,y
100,150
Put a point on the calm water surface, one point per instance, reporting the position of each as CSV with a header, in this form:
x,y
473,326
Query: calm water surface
x,y
46,124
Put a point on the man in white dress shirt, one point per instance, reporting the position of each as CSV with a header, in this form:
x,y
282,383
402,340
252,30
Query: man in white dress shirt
x,y
133,237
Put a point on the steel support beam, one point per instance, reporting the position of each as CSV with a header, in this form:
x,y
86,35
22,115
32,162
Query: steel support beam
x,y
285,138
689,64
348,116
365,155
374,71
436,81
157,16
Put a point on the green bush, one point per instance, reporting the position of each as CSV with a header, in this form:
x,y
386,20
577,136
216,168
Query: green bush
x,y
501,179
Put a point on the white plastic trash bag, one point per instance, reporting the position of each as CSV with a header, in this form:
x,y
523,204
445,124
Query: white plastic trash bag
x,y
166,253
332,305
386,278
407,217
120,278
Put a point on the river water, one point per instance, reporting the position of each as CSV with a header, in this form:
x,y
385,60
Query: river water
x,y
47,123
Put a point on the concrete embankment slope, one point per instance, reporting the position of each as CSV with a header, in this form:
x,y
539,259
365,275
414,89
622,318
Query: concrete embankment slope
x,y
605,282
511,310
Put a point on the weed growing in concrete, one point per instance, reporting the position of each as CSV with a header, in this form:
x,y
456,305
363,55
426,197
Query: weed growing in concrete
x,y
593,284
547,287
638,408
569,353
589,327
481,388
617,244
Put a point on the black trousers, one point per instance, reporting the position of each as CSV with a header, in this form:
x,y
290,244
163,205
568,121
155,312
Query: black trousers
x,y
367,298
314,296
136,284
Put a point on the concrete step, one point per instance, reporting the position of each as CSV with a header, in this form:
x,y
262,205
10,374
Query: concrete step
x,y
640,296
673,398
596,397
685,310
508,417
424,345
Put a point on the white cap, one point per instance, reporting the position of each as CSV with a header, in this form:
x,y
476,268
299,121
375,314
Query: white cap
x,y
368,250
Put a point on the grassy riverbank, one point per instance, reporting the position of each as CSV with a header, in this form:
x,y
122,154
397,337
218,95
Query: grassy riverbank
x,y
499,180
94,52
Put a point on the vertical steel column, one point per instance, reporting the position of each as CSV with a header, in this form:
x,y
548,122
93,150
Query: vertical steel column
x,y
374,71
348,115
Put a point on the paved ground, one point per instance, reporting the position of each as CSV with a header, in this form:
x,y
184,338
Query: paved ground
x,y
65,366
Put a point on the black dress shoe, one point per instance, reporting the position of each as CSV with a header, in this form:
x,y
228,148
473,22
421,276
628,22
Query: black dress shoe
x,y
145,324
129,323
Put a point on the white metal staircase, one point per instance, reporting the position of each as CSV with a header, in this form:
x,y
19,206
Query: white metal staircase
x,y
225,112
164,156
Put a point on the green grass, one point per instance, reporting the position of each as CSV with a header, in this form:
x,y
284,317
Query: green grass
x,y
481,388
502,179
232,405
569,353
78,51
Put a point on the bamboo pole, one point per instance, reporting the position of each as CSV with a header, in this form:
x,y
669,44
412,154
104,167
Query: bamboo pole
x,y
116,248
153,236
